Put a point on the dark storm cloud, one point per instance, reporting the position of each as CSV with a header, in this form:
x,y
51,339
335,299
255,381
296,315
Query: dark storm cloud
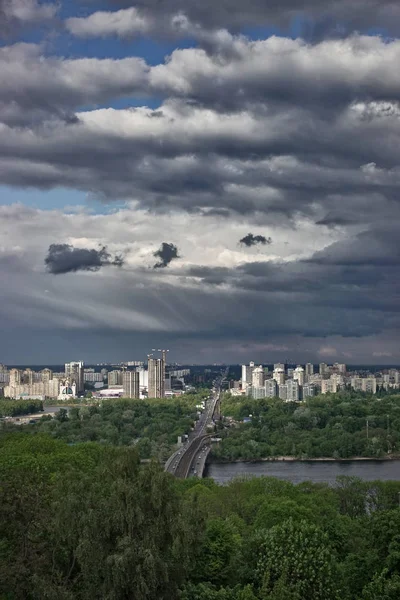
x,y
355,280
166,253
377,247
233,14
64,258
252,240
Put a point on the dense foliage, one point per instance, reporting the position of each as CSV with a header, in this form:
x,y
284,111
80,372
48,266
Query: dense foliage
x,y
152,425
88,522
340,426
14,408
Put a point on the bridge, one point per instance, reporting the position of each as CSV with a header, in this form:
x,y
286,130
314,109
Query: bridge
x,y
190,459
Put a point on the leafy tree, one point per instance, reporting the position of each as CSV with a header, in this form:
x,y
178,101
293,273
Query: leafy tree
x,y
297,556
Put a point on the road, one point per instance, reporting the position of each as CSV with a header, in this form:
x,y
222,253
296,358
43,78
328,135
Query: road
x,y
183,462
190,458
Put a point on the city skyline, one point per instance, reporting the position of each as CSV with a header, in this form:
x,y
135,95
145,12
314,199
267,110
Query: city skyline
x,y
219,182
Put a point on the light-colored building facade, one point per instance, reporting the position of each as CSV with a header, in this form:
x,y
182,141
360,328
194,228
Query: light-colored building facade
x,y
247,374
92,377
114,378
258,377
309,369
74,372
329,386
30,384
293,391
283,391
271,388
279,376
156,387
131,384
364,384
257,392
299,375
324,370
308,390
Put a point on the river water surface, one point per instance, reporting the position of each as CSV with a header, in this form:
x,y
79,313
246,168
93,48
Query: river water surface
x,y
298,471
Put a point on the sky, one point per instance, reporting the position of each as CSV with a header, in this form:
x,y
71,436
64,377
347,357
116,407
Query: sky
x,y
216,178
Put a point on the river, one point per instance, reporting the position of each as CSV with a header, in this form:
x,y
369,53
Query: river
x,y
298,471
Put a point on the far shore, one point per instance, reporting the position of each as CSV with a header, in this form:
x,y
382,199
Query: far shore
x,y
295,459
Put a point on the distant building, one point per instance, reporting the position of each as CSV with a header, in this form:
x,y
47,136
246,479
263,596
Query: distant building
x,y
258,377
279,366
308,390
283,391
258,392
293,391
279,375
247,374
364,384
32,384
92,377
299,375
309,370
156,368
324,370
329,386
143,381
74,372
114,378
131,384
271,388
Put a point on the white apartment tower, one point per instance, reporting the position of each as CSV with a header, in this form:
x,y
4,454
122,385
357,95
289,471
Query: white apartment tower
x,y
247,374
279,375
299,375
258,377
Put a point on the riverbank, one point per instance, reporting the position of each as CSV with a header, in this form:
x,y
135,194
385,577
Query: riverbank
x,y
297,459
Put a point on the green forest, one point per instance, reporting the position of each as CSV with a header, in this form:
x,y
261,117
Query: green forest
x,y
88,521
14,408
341,425
153,426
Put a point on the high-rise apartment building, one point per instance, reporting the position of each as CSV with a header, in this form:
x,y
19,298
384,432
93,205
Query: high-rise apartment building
x,y
156,368
293,391
282,391
257,392
364,384
32,384
258,377
114,378
323,370
308,391
299,375
340,368
247,374
271,388
130,383
309,370
74,372
329,386
279,375
279,366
